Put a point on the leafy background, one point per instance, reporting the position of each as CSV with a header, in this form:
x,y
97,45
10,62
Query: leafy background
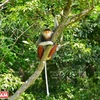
x,y
73,73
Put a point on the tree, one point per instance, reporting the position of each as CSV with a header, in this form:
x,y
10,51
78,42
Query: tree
x,y
66,20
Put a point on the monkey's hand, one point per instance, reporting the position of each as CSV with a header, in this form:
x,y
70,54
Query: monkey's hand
x,y
46,43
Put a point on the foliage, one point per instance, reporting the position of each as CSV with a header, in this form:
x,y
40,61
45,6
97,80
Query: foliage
x,y
9,82
74,72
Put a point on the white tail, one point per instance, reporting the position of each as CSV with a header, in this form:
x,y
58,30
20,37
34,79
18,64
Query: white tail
x,y
46,79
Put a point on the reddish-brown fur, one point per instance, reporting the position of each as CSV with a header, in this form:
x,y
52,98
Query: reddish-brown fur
x,y
53,50
41,51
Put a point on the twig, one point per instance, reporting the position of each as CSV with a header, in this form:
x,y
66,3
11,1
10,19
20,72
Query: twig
x,y
1,5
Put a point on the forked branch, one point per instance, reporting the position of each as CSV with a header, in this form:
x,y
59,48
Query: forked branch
x,y
78,16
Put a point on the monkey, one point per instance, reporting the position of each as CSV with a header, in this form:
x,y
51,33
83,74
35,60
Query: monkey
x,y
44,41
46,36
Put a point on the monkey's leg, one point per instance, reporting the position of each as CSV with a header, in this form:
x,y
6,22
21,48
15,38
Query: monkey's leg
x,y
40,51
53,50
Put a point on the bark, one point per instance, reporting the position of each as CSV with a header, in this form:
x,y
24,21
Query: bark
x,y
57,33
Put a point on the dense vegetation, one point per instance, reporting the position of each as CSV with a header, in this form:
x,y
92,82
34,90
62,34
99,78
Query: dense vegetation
x,y
73,73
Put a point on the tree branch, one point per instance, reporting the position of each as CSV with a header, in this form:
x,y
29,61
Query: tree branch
x,y
1,5
78,16
66,10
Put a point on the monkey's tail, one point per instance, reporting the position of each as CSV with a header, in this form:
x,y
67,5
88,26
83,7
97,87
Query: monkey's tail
x,y
46,79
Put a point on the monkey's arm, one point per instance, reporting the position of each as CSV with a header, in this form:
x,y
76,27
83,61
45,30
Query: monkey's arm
x,y
46,43
55,23
39,40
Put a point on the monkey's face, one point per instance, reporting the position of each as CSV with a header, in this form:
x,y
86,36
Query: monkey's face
x,y
47,34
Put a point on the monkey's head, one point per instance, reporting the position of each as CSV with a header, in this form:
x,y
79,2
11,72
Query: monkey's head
x,y
47,33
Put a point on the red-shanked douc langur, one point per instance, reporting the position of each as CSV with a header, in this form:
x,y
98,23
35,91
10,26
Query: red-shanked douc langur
x,y
44,41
